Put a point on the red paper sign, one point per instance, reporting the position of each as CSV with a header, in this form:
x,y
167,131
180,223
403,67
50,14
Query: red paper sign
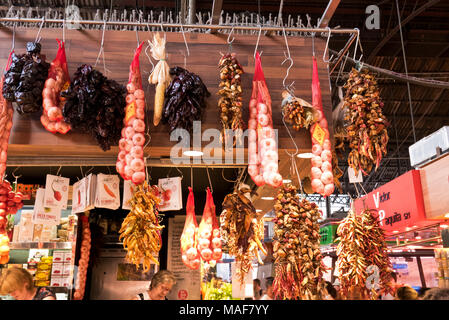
x,y
399,203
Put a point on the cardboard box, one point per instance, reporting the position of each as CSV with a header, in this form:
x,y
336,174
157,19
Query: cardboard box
x,y
68,257
67,269
56,281
57,269
58,256
66,282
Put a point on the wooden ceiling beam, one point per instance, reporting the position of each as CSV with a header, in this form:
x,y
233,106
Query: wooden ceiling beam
x,y
328,13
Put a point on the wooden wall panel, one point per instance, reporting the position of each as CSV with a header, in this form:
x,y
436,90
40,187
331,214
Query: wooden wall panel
x,y
29,138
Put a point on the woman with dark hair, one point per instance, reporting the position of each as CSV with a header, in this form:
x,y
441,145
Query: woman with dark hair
x,y
257,289
160,285
18,283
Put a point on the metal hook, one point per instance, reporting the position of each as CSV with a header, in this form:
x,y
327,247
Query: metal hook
x,y
137,37
13,36
222,174
210,182
191,176
231,41
182,175
356,42
313,43
287,58
57,173
233,38
257,43
13,173
38,39
327,46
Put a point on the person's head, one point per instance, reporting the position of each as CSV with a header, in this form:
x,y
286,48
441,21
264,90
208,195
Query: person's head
x,y
436,294
269,286
331,290
406,293
256,284
18,283
161,284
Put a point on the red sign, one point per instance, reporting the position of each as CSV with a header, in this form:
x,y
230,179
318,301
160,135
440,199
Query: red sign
x,y
399,203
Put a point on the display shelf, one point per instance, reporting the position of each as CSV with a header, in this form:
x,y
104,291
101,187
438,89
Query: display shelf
x,y
40,245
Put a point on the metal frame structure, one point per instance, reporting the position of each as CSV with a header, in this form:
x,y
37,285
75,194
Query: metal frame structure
x,y
185,26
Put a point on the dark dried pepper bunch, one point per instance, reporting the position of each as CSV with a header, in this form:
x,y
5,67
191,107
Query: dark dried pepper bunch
x,y
25,79
184,98
96,105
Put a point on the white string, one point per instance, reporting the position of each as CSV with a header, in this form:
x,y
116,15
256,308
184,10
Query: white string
x,y
13,36
187,47
101,52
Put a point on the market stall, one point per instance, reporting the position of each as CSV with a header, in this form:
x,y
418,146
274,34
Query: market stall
x,y
202,150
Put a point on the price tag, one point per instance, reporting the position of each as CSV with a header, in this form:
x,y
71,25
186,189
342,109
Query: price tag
x,y
319,134
353,178
130,111
56,192
107,194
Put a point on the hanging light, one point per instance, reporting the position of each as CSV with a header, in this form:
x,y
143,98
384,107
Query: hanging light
x,y
193,153
305,155
286,181
267,198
